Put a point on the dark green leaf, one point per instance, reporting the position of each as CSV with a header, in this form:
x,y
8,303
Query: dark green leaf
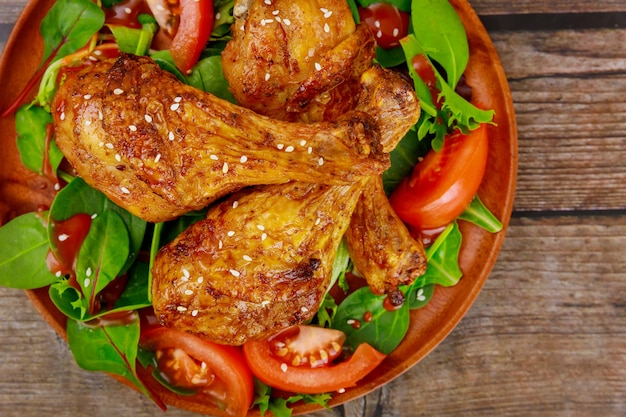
x,y
68,26
480,215
24,246
419,297
165,62
386,329
31,124
207,75
403,159
390,58
78,197
443,260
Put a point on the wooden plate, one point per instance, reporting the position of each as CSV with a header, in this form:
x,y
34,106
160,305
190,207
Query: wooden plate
x,y
22,191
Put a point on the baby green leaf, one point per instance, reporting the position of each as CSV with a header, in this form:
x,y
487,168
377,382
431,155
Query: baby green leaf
x,y
23,249
480,215
384,331
33,143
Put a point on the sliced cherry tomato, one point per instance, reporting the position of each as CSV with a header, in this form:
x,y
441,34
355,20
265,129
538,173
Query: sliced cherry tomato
x,y
444,182
217,373
307,345
388,23
425,71
194,30
275,372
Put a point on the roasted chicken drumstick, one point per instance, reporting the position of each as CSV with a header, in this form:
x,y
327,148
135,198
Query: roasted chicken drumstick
x,y
159,148
260,261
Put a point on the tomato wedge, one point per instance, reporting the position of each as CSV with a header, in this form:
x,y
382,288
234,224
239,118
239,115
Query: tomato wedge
x,y
275,372
194,30
444,182
217,373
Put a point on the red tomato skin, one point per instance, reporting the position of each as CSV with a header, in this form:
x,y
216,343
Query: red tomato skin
x,y
306,380
227,362
443,183
194,30
387,23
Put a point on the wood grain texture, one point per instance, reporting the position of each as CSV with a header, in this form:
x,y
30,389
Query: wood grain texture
x,y
547,334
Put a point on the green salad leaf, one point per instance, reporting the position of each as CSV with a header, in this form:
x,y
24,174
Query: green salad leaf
x,y
34,141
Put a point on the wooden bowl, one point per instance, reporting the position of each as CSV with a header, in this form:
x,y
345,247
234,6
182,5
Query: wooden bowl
x,y
22,191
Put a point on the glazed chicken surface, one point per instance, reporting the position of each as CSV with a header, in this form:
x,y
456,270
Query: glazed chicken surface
x,y
260,261
159,148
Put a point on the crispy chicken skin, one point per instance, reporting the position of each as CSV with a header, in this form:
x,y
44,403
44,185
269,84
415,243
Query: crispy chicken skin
x,y
284,54
260,261
159,148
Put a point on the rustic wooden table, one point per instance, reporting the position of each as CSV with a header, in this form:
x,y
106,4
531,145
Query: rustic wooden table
x,y
547,335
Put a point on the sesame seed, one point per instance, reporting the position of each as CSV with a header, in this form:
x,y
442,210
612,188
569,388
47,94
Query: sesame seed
x,y
109,145
278,19
132,128
309,150
87,122
62,116
57,274
157,158
266,21
170,135
260,227
218,16
213,157
235,204
264,236
326,28
128,10
280,146
320,161
283,367
186,273
148,118
267,76
287,22
118,158
304,309
289,148
230,233
377,23
235,273
247,258
118,91
194,313
243,159
268,2
328,14
220,244
63,237
100,115
188,292
275,12
302,142
86,282
350,321
125,190
101,144
174,106
379,34
200,279
317,221
87,96
88,272
178,99
318,67
396,32
57,186
341,390
265,302
225,167
181,309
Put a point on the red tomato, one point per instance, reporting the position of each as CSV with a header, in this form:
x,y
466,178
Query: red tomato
x,y
194,30
425,71
276,373
387,23
443,183
218,373
307,345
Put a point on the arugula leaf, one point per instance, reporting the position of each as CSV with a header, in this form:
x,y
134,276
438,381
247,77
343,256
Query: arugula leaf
x,y
384,331
33,141
111,349
23,250
77,197
480,215
135,41
278,406
68,26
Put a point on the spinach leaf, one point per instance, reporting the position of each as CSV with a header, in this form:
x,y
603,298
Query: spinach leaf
x,y
418,297
33,139
403,159
101,256
480,215
111,349
68,26
207,75
23,249
443,260
441,35
384,331
78,197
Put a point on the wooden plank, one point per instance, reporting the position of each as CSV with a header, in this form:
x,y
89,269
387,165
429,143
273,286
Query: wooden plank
x,y
568,92
545,337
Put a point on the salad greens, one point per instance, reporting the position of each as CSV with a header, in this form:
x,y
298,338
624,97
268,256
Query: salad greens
x,y
115,237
